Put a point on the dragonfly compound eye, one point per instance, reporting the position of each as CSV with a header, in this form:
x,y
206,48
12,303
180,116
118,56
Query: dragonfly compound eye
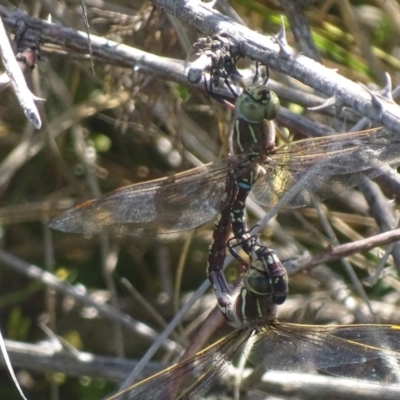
x,y
257,103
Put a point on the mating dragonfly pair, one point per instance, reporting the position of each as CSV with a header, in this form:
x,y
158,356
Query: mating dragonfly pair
x,y
317,168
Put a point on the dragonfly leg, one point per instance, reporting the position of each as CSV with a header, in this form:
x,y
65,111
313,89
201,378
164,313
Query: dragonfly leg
x,y
252,239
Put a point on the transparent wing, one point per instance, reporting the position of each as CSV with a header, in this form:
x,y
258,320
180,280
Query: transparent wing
x,y
325,166
190,379
171,204
362,352
321,167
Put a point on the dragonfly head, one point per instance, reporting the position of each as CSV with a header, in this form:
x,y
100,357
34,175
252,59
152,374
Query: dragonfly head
x,y
257,103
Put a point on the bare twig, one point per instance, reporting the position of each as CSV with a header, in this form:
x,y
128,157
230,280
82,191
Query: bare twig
x,y
25,97
309,261
298,23
48,357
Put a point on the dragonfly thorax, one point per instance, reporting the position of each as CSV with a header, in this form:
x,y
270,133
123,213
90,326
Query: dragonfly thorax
x,y
252,138
252,309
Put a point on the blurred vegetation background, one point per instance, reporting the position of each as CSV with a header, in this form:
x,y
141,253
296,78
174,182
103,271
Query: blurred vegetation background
x,y
120,126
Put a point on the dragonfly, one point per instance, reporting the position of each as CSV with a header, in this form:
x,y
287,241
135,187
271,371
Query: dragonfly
x,y
318,167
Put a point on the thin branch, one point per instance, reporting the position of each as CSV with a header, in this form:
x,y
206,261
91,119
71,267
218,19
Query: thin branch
x,y
308,261
312,386
298,23
122,55
48,357
24,95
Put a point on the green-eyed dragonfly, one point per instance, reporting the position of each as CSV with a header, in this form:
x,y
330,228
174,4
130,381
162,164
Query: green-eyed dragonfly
x,y
323,166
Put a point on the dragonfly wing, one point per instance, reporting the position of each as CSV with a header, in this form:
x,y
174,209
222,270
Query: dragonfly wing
x,y
301,187
325,166
363,352
189,379
171,204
